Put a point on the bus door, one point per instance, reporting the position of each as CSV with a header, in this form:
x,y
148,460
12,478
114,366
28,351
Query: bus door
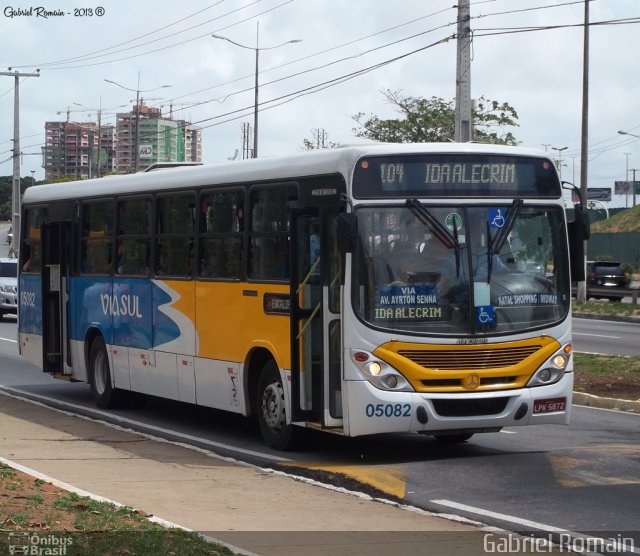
x,y
315,318
56,238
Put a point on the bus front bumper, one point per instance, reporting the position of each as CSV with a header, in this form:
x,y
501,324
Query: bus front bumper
x,y
373,411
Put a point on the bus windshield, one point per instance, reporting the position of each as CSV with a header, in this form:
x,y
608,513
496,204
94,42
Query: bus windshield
x,y
461,270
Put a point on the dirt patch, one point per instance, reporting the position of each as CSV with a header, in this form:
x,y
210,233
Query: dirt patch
x,y
621,387
29,504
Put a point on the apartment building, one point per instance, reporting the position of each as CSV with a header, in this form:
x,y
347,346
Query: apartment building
x,y
138,139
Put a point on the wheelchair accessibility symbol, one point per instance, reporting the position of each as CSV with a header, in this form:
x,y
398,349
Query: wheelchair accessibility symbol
x,y
485,315
497,217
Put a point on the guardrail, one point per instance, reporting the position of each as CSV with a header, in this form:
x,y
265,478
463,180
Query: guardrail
x,y
609,293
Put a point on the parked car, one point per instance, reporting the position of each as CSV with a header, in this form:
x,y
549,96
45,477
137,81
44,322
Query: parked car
x,y
607,274
8,287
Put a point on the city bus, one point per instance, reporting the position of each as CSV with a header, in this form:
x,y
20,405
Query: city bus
x,y
386,288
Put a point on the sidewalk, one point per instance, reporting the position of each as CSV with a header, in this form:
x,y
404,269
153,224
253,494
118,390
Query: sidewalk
x,y
255,511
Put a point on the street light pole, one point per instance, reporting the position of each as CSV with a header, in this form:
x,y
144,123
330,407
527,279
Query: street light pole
x,y
256,86
137,126
255,98
560,149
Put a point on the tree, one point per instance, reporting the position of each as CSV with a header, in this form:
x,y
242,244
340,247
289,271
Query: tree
x,y
433,120
6,194
320,141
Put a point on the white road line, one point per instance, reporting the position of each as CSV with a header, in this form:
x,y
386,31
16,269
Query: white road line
x,y
524,522
9,340
596,335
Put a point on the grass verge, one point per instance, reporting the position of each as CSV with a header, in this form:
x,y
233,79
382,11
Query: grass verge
x,y
37,517
607,308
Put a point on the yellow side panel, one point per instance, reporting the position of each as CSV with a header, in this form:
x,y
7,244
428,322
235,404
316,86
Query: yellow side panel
x,y
231,321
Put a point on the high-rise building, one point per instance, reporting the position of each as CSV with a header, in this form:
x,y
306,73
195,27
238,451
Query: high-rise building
x,y
69,149
139,138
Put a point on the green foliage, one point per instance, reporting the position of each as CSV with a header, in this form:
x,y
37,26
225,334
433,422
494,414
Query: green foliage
x,y
433,120
6,187
625,221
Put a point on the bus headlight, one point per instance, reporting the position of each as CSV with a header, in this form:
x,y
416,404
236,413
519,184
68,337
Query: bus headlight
x,y
553,369
379,373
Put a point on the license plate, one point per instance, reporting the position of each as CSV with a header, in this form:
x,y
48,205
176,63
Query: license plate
x,y
549,405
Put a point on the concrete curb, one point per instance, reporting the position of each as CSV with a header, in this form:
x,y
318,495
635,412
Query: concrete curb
x,y
580,398
595,316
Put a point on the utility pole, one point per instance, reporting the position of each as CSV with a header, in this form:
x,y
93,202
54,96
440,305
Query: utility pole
x,y
462,131
633,187
581,294
626,178
15,191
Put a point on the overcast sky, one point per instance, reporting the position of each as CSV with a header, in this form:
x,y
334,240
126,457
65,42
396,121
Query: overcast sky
x,y
321,82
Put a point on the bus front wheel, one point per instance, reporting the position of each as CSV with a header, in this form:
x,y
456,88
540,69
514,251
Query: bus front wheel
x,y
103,392
271,409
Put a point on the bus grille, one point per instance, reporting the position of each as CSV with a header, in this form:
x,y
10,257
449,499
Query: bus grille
x,y
468,408
452,359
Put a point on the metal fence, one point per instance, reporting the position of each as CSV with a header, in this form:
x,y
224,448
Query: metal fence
x,y
623,247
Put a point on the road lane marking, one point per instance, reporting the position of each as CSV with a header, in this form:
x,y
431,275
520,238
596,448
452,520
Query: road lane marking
x,y
9,340
596,335
389,479
588,466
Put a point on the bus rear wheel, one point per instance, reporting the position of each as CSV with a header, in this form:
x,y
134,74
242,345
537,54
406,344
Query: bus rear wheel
x,y
271,410
104,395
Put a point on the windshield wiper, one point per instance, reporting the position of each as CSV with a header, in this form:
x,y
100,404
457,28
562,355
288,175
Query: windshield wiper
x,y
442,234
495,244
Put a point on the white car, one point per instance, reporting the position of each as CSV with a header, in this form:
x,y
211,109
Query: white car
x,y
8,286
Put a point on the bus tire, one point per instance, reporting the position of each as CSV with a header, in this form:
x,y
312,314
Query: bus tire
x,y
452,438
104,395
271,409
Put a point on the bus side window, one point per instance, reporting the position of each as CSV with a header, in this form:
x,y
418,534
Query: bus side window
x,y
133,241
269,233
175,235
31,252
221,234
97,237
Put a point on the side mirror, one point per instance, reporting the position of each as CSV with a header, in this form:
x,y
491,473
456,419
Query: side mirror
x,y
582,220
347,227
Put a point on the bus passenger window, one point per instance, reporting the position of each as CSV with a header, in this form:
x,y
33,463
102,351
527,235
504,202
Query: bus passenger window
x,y
221,234
31,252
133,240
97,237
269,243
175,228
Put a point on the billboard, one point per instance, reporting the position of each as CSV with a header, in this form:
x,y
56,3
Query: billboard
x,y
598,194
626,187
595,194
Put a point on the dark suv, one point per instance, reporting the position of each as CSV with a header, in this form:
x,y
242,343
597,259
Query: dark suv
x,y
607,274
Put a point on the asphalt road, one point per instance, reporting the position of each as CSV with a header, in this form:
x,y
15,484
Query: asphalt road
x,y
583,478
606,337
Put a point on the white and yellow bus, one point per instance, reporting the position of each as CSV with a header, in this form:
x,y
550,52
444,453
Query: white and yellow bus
x,y
357,290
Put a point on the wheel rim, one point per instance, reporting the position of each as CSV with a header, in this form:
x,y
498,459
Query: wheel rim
x,y
273,406
100,373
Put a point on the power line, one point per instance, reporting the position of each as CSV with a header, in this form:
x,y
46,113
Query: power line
x,y
169,46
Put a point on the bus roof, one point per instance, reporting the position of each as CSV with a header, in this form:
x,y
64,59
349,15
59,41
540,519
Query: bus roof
x,y
318,162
